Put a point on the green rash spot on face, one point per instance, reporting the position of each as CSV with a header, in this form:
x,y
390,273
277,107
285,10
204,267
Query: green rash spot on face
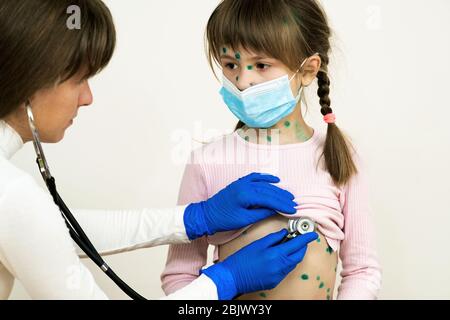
x,y
249,67
287,124
321,285
224,50
318,278
262,294
238,55
304,276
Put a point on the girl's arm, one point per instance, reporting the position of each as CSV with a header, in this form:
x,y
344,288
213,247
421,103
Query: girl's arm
x,y
185,261
361,271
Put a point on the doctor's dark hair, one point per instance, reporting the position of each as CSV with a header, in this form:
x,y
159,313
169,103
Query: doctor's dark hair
x,y
38,50
289,31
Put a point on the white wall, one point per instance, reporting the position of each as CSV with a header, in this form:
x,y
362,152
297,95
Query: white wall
x,y
389,90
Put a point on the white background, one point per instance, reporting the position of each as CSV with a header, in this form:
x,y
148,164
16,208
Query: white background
x,y
389,73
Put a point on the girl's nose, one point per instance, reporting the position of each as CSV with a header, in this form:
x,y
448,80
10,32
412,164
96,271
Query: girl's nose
x,y
86,97
245,80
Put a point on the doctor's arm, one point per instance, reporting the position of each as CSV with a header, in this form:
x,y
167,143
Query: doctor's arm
x,y
243,202
36,247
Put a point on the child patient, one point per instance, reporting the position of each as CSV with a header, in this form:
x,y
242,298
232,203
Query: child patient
x,y
269,51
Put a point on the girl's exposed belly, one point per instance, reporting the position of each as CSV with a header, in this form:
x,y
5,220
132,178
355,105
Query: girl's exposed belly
x,y
313,278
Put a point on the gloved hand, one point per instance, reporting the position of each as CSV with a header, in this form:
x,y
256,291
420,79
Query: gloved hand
x,y
243,202
261,265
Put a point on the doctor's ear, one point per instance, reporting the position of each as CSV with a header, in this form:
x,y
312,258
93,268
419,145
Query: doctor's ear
x,y
310,70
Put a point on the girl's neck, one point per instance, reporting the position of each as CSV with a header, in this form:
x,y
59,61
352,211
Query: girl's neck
x,y
291,129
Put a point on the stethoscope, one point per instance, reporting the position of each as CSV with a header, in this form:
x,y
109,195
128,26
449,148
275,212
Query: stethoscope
x,y
75,230
295,226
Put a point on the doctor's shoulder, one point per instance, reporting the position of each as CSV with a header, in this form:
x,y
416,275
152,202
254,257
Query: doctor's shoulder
x,y
16,183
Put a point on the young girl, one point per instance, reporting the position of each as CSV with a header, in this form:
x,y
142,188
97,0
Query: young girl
x,y
269,51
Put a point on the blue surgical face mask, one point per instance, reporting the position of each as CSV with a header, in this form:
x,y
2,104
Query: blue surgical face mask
x,y
262,105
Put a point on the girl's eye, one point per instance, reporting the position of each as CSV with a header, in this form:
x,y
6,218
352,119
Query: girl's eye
x,y
262,66
230,65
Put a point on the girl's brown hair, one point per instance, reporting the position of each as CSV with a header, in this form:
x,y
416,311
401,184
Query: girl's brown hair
x,y
38,49
289,31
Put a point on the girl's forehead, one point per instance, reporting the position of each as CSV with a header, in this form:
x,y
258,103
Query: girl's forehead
x,y
240,52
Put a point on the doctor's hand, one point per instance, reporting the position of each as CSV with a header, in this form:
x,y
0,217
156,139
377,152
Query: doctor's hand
x,y
243,202
261,265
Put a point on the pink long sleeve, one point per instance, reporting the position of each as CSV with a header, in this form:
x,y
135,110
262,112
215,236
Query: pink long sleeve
x,y
341,213
185,261
361,271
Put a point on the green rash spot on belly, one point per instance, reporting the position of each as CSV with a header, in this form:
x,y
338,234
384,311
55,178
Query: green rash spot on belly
x,y
262,294
269,138
318,278
238,55
321,285
304,276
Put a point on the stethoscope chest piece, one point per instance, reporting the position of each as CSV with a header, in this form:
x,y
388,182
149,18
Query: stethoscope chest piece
x,y
300,226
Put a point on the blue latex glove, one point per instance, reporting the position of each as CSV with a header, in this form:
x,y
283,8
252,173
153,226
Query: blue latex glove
x,y
261,265
243,202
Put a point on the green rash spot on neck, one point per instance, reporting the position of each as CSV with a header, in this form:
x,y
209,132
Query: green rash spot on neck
x,y
287,124
329,250
299,132
269,138
304,276
321,285
262,294
318,240
238,55
249,67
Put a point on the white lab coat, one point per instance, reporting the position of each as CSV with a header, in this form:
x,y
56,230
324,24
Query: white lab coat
x,y
35,246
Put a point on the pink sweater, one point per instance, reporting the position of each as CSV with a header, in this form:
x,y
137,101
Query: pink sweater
x,y
342,214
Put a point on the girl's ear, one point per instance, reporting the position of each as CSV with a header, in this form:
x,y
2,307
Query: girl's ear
x,y
310,70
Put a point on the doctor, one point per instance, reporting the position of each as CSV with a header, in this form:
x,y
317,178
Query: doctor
x,y
46,65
